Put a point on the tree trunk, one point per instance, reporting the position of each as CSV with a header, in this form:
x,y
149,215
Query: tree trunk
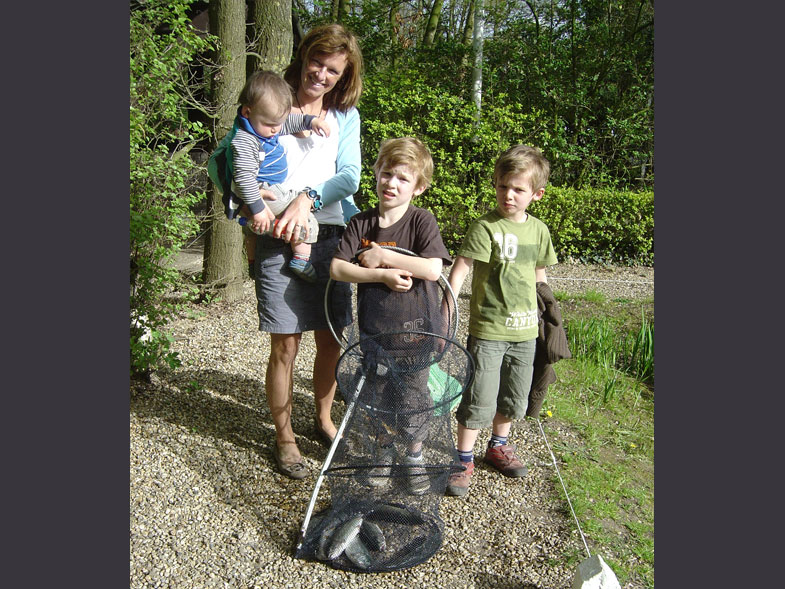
x,y
477,44
433,23
272,36
468,29
224,262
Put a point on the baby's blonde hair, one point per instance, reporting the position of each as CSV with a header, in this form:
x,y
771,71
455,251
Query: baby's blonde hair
x,y
409,152
270,88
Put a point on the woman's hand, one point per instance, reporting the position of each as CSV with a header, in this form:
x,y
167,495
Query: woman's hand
x,y
293,218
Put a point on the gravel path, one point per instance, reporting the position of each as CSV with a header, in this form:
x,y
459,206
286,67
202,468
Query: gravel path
x,y
208,508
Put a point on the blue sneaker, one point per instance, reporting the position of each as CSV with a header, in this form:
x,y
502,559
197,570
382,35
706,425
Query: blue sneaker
x,y
303,268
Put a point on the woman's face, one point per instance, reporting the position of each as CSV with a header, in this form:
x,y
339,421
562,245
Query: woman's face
x,y
322,72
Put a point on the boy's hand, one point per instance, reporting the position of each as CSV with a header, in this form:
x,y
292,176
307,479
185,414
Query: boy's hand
x,y
262,221
373,257
320,127
397,280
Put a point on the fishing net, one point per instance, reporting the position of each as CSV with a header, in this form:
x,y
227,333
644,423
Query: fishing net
x,y
383,507
400,374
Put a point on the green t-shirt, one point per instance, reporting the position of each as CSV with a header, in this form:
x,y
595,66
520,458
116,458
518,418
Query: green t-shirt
x,y
503,304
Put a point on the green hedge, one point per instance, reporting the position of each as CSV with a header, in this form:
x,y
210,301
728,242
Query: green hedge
x,y
597,225
589,224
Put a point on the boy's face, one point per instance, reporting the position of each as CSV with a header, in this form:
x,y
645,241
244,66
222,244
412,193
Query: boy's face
x,y
513,194
396,186
262,119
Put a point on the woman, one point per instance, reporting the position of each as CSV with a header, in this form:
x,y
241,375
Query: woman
x,y
326,78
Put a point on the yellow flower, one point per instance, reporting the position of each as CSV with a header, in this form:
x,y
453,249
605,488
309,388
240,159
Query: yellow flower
x,y
632,445
548,413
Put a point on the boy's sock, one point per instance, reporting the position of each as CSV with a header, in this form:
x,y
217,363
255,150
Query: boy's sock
x,y
467,456
414,455
497,441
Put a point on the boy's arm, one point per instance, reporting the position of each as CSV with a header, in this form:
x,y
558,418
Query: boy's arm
x,y
379,257
296,122
539,274
395,279
460,270
245,154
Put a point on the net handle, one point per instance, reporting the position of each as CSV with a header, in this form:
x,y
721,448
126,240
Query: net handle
x,y
452,329
327,461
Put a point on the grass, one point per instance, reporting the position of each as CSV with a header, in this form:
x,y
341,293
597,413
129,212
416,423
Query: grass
x,y
605,395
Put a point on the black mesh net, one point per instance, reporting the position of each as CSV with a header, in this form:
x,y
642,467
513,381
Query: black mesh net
x,y
389,469
401,374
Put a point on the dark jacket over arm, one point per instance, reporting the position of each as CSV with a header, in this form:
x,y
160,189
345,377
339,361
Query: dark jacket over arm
x,y
551,347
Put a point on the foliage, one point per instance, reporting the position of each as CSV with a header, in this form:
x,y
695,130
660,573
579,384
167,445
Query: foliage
x,y
598,340
581,71
161,171
463,151
608,467
588,65
592,224
599,225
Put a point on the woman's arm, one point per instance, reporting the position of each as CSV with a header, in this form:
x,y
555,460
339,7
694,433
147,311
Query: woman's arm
x,y
347,164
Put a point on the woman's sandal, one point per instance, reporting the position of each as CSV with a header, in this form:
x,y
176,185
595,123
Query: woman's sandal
x,y
294,470
321,434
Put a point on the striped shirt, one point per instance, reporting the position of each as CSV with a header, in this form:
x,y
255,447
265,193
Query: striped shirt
x,y
257,159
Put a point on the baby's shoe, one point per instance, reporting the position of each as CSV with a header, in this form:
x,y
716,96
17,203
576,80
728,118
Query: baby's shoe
x,y
303,268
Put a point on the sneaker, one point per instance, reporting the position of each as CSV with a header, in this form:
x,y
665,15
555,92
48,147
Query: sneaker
x,y
458,482
379,476
303,268
503,459
417,478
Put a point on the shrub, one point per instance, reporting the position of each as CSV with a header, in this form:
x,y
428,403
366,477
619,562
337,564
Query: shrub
x,y
162,47
598,225
591,224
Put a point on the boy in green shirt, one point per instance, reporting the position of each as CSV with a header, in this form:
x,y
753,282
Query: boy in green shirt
x,y
508,250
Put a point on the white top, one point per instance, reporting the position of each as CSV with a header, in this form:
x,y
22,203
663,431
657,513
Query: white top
x,y
312,161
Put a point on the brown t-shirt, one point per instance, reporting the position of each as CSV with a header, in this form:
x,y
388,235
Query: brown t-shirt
x,y
379,308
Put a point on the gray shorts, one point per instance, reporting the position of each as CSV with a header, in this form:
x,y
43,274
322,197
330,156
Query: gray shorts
x,y
502,379
287,303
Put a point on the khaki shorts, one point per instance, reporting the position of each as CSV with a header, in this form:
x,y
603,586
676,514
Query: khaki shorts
x,y
502,380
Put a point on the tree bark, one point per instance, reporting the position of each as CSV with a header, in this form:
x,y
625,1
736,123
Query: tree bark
x,y
477,45
272,36
433,23
224,263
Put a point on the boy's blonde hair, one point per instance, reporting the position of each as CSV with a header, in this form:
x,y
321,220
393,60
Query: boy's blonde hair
x,y
409,152
523,159
269,87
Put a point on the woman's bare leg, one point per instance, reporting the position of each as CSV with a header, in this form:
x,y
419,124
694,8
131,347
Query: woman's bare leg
x,y
278,385
328,350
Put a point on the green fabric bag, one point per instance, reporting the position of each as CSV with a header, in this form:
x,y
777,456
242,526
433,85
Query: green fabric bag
x,y
445,390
